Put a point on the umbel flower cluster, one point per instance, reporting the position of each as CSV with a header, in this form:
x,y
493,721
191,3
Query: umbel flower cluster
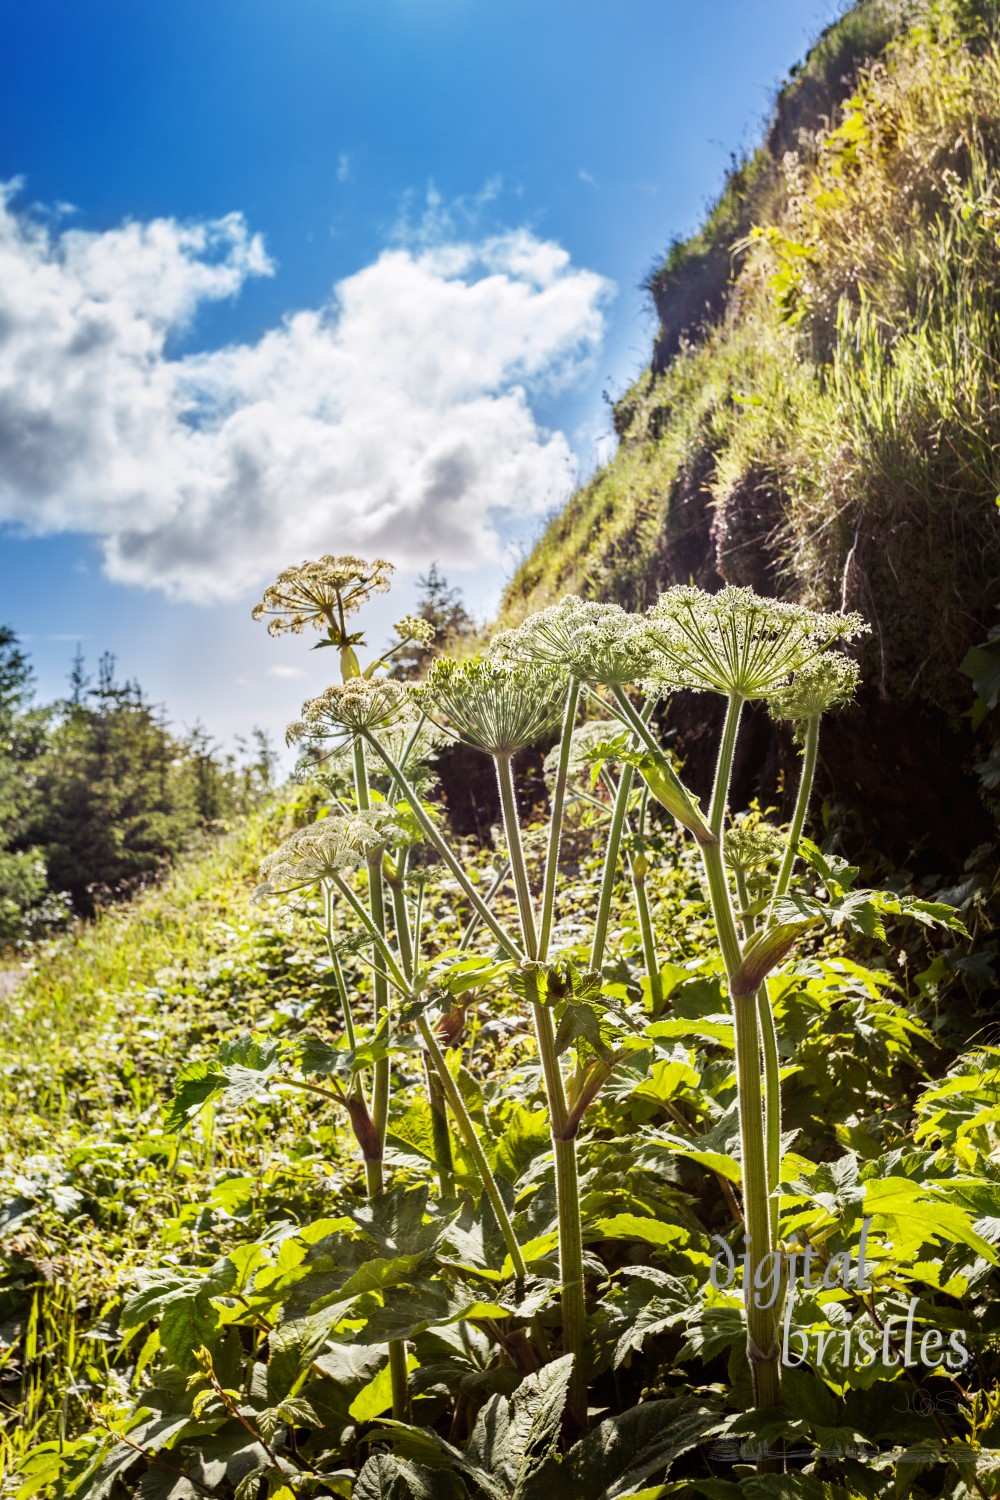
x,y
357,705
753,846
735,642
827,682
499,706
596,643
413,628
325,850
321,593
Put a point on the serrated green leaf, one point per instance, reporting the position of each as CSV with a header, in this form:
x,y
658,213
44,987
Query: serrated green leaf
x,y
526,1136
707,1027
635,1227
535,1419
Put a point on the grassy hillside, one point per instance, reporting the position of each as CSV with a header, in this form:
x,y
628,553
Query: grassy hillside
x,y
820,416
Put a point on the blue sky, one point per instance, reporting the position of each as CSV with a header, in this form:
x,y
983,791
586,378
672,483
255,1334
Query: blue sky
x,y
334,275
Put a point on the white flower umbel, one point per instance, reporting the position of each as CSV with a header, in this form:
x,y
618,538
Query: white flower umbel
x,y
352,707
595,643
737,643
321,593
830,681
498,706
325,849
414,628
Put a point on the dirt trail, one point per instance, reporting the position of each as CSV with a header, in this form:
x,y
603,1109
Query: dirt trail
x,y
9,981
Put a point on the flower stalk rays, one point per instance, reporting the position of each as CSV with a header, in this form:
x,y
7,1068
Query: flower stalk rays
x,y
496,706
527,690
735,642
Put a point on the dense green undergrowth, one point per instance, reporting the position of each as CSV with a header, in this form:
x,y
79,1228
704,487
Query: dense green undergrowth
x,y
207,1249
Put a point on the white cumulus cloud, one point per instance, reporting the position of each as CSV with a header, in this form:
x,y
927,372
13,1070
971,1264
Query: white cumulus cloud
x,y
395,419
281,670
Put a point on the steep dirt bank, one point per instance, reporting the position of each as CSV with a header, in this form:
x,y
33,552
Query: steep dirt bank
x,y
819,419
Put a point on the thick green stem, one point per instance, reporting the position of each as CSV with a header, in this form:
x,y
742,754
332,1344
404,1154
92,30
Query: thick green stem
x,y
747,920
404,939
398,1379
762,1334
637,869
515,848
471,1138
573,1296
556,818
338,972
636,721
574,1299
610,871
806,778
434,836
769,1036
440,1134
376,902
374,1186
772,1105
762,1342
724,765
380,1088
649,954
618,812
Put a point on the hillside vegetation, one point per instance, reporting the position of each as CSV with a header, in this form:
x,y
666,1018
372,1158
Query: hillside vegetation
x,y
168,1274
820,417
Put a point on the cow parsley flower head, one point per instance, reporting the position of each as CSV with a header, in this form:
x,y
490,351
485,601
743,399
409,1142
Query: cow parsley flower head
x,y
599,643
356,705
498,706
737,642
414,628
829,681
752,845
324,849
321,593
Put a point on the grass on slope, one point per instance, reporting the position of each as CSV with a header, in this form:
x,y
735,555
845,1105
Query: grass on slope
x,y
836,435
93,1191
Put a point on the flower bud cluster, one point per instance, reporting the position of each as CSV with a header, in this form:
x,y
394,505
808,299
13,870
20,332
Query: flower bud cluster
x,y
752,845
325,849
414,628
830,681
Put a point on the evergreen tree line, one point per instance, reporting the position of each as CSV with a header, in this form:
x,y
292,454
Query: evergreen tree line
x,y
99,795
